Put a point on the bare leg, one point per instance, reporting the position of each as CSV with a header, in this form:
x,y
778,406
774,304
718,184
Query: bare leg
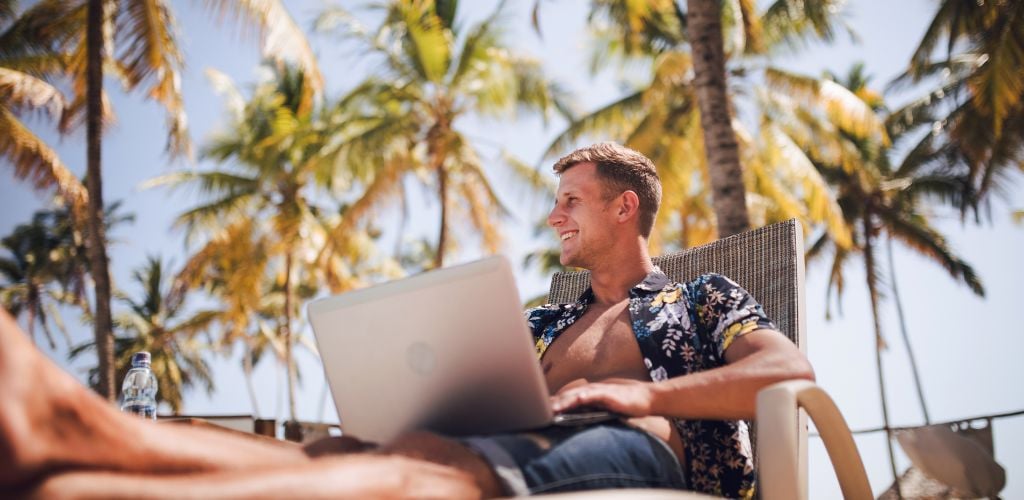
x,y
365,476
48,422
59,437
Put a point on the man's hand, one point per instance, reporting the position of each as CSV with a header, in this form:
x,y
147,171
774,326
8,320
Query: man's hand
x,y
631,398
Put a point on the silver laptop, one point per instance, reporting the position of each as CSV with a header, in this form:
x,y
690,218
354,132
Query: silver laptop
x,y
446,350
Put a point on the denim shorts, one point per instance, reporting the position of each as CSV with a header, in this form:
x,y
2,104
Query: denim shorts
x,y
556,459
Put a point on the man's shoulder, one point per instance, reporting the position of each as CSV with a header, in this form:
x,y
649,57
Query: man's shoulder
x,y
694,284
545,310
708,281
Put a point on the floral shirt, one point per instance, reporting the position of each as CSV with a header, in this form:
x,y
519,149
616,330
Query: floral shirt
x,y
682,329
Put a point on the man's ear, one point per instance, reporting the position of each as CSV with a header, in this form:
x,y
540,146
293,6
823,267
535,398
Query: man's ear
x,y
629,205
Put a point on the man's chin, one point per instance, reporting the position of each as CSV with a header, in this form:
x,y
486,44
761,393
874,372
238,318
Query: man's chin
x,y
566,261
570,261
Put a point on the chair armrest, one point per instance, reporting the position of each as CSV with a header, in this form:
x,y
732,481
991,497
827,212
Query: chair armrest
x,y
780,465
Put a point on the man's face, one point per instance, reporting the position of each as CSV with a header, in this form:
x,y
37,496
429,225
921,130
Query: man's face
x,y
583,217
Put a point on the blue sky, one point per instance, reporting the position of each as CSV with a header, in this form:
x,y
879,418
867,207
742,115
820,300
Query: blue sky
x,y
967,348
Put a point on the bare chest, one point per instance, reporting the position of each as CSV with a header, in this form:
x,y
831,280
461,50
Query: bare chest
x,y
599,345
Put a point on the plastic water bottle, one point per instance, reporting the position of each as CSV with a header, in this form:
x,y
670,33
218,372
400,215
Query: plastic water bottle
x,y
138,392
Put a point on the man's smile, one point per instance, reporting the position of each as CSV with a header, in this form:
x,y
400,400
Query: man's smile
x,y
568,234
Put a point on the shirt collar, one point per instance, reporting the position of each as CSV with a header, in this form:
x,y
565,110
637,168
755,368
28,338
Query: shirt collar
x,y
655,281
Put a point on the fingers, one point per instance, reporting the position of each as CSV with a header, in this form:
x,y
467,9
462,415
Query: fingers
x,y
585,396
632,398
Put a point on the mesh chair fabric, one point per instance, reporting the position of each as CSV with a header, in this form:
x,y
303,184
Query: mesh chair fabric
x,y
767,262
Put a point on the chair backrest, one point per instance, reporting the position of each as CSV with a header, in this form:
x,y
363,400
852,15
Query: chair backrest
x,y
768,262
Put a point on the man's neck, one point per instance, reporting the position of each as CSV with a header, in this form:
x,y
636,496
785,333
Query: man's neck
x,y
611,283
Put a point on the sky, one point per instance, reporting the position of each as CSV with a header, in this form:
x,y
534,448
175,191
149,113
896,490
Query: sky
x,y
967,348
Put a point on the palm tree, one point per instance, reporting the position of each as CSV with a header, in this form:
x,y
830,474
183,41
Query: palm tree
x,y
43,271
138,39
662,119
48,267
29,62
436,74
156,323
875,196
976,115
231,267
264,213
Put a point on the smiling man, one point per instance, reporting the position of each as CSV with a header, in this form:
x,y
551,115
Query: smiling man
x,y
681,363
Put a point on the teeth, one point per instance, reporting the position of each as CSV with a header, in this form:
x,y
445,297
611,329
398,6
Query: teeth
x,y
568,235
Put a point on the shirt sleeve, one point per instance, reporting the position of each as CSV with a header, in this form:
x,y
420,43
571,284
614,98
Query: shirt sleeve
x,y
725,311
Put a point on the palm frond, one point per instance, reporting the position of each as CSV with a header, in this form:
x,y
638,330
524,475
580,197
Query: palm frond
x,y
792,24
384,183
915,232
44,28
998,84
953,18
35,161
225,87
482,38
149,51
197,323
283,39
841,105
210,216
818,196
22,91
952,69
427,42
611,120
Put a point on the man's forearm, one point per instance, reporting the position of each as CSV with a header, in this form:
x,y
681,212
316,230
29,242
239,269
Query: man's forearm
x,y
729,392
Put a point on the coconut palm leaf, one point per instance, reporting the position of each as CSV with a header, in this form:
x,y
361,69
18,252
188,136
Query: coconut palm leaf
x,y
842,106
35,161
789,24
953,19
998,84
149,52
282,39
617,115
914,231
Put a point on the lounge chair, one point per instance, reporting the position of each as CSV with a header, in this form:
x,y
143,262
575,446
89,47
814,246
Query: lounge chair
x,y
769,263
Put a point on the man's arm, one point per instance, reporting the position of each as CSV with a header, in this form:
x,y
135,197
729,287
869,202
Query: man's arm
x,y
754,361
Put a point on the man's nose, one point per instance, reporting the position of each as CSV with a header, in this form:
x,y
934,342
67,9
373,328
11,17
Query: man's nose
x,y
555,218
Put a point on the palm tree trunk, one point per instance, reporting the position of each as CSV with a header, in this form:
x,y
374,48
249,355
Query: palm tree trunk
x,y
247,370
906,337
31,322
704,22
869,268
442,237
96,246
286,328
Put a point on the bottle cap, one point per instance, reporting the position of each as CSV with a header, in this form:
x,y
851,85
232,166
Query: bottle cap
x,y
140,358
